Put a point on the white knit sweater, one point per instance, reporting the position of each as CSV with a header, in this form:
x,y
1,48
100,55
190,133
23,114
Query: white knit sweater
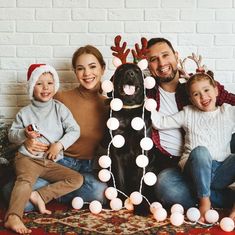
x,y
210,129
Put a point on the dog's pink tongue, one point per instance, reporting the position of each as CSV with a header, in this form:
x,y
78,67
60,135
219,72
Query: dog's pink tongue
x,y
129,90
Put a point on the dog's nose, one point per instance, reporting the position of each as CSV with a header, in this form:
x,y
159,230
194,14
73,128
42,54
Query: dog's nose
x,y
131,73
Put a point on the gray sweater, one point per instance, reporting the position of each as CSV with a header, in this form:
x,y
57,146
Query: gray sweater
x,y
54,121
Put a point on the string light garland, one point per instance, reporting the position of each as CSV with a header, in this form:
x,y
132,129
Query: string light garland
x,y
142,161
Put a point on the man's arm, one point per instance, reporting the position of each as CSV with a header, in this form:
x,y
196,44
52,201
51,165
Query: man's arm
x,y
224,96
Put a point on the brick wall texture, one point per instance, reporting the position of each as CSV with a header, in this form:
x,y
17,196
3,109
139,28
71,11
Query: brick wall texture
x,y
49,31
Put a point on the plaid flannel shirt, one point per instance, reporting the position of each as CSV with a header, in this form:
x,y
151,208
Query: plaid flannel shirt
x,y
182,100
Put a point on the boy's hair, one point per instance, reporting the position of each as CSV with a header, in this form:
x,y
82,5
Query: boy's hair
x,y
209,76
154,41
88,49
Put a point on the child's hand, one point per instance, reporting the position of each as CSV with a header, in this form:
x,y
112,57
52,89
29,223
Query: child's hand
x,y
31,134
53,150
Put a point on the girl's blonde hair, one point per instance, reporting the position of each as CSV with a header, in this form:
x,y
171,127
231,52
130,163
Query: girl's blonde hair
x,y
209,76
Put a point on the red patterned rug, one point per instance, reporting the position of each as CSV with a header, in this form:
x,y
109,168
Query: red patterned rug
x,y
66,221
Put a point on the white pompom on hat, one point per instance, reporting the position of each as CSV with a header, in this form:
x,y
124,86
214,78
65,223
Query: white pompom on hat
x,y
35,71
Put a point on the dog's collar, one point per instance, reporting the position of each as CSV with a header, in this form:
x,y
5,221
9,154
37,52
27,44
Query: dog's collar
x,y
132,106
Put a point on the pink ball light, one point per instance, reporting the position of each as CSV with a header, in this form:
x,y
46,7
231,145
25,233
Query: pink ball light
x,y
142,161
107,86
193,214
177,208
150,178
95,207
111,193
128,205
154,206
104,175
227,224
113,123
105,161
177,218
149,82
150,104
211,216
146,143
116,204
160,214
137,123
77,203
118,141
116,104
136,198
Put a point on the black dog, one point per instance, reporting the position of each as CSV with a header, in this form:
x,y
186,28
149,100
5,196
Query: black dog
x,y
129,87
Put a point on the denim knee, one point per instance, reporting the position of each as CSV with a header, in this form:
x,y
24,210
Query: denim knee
x,y
172,187
201,155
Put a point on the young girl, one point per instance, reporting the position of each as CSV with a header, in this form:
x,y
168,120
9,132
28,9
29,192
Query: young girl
x,y
56,128
209,129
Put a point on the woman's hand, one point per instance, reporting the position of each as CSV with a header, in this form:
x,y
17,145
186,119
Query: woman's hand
x,y
34,146
53,150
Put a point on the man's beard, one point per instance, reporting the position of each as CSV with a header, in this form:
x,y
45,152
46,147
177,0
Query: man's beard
x,y
167,79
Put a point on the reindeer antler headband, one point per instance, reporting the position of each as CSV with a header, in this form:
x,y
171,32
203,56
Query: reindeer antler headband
x,y
201,69
120,53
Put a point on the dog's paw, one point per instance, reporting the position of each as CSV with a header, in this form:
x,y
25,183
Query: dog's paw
x,y
142,209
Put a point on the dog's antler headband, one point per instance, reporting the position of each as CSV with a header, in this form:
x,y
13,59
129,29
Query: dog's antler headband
x,y
120,53
140,53
201,69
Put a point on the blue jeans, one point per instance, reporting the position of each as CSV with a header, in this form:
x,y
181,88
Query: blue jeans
x,y
92,188
173,186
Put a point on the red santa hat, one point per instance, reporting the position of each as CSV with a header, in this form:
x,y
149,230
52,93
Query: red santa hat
x,y
35,71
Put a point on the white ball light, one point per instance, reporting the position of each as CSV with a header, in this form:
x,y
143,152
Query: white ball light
x,y
150,178
77,203
137,123
146,143
104,175
154,206
105,161
136,198
118,141
177,208
150,104
142,161
116,61
143,64
116,204
112,123
149,82
193,214
177,218
128,205
107,86
227,224
211,216
111,193
160,214
116,104
95,207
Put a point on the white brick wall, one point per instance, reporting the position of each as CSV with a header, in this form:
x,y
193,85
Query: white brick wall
x,y
49,31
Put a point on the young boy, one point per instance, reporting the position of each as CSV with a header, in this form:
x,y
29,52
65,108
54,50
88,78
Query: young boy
x,y
51,122
207,127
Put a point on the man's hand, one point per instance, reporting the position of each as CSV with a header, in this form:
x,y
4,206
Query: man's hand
x,y
33,146
53,150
